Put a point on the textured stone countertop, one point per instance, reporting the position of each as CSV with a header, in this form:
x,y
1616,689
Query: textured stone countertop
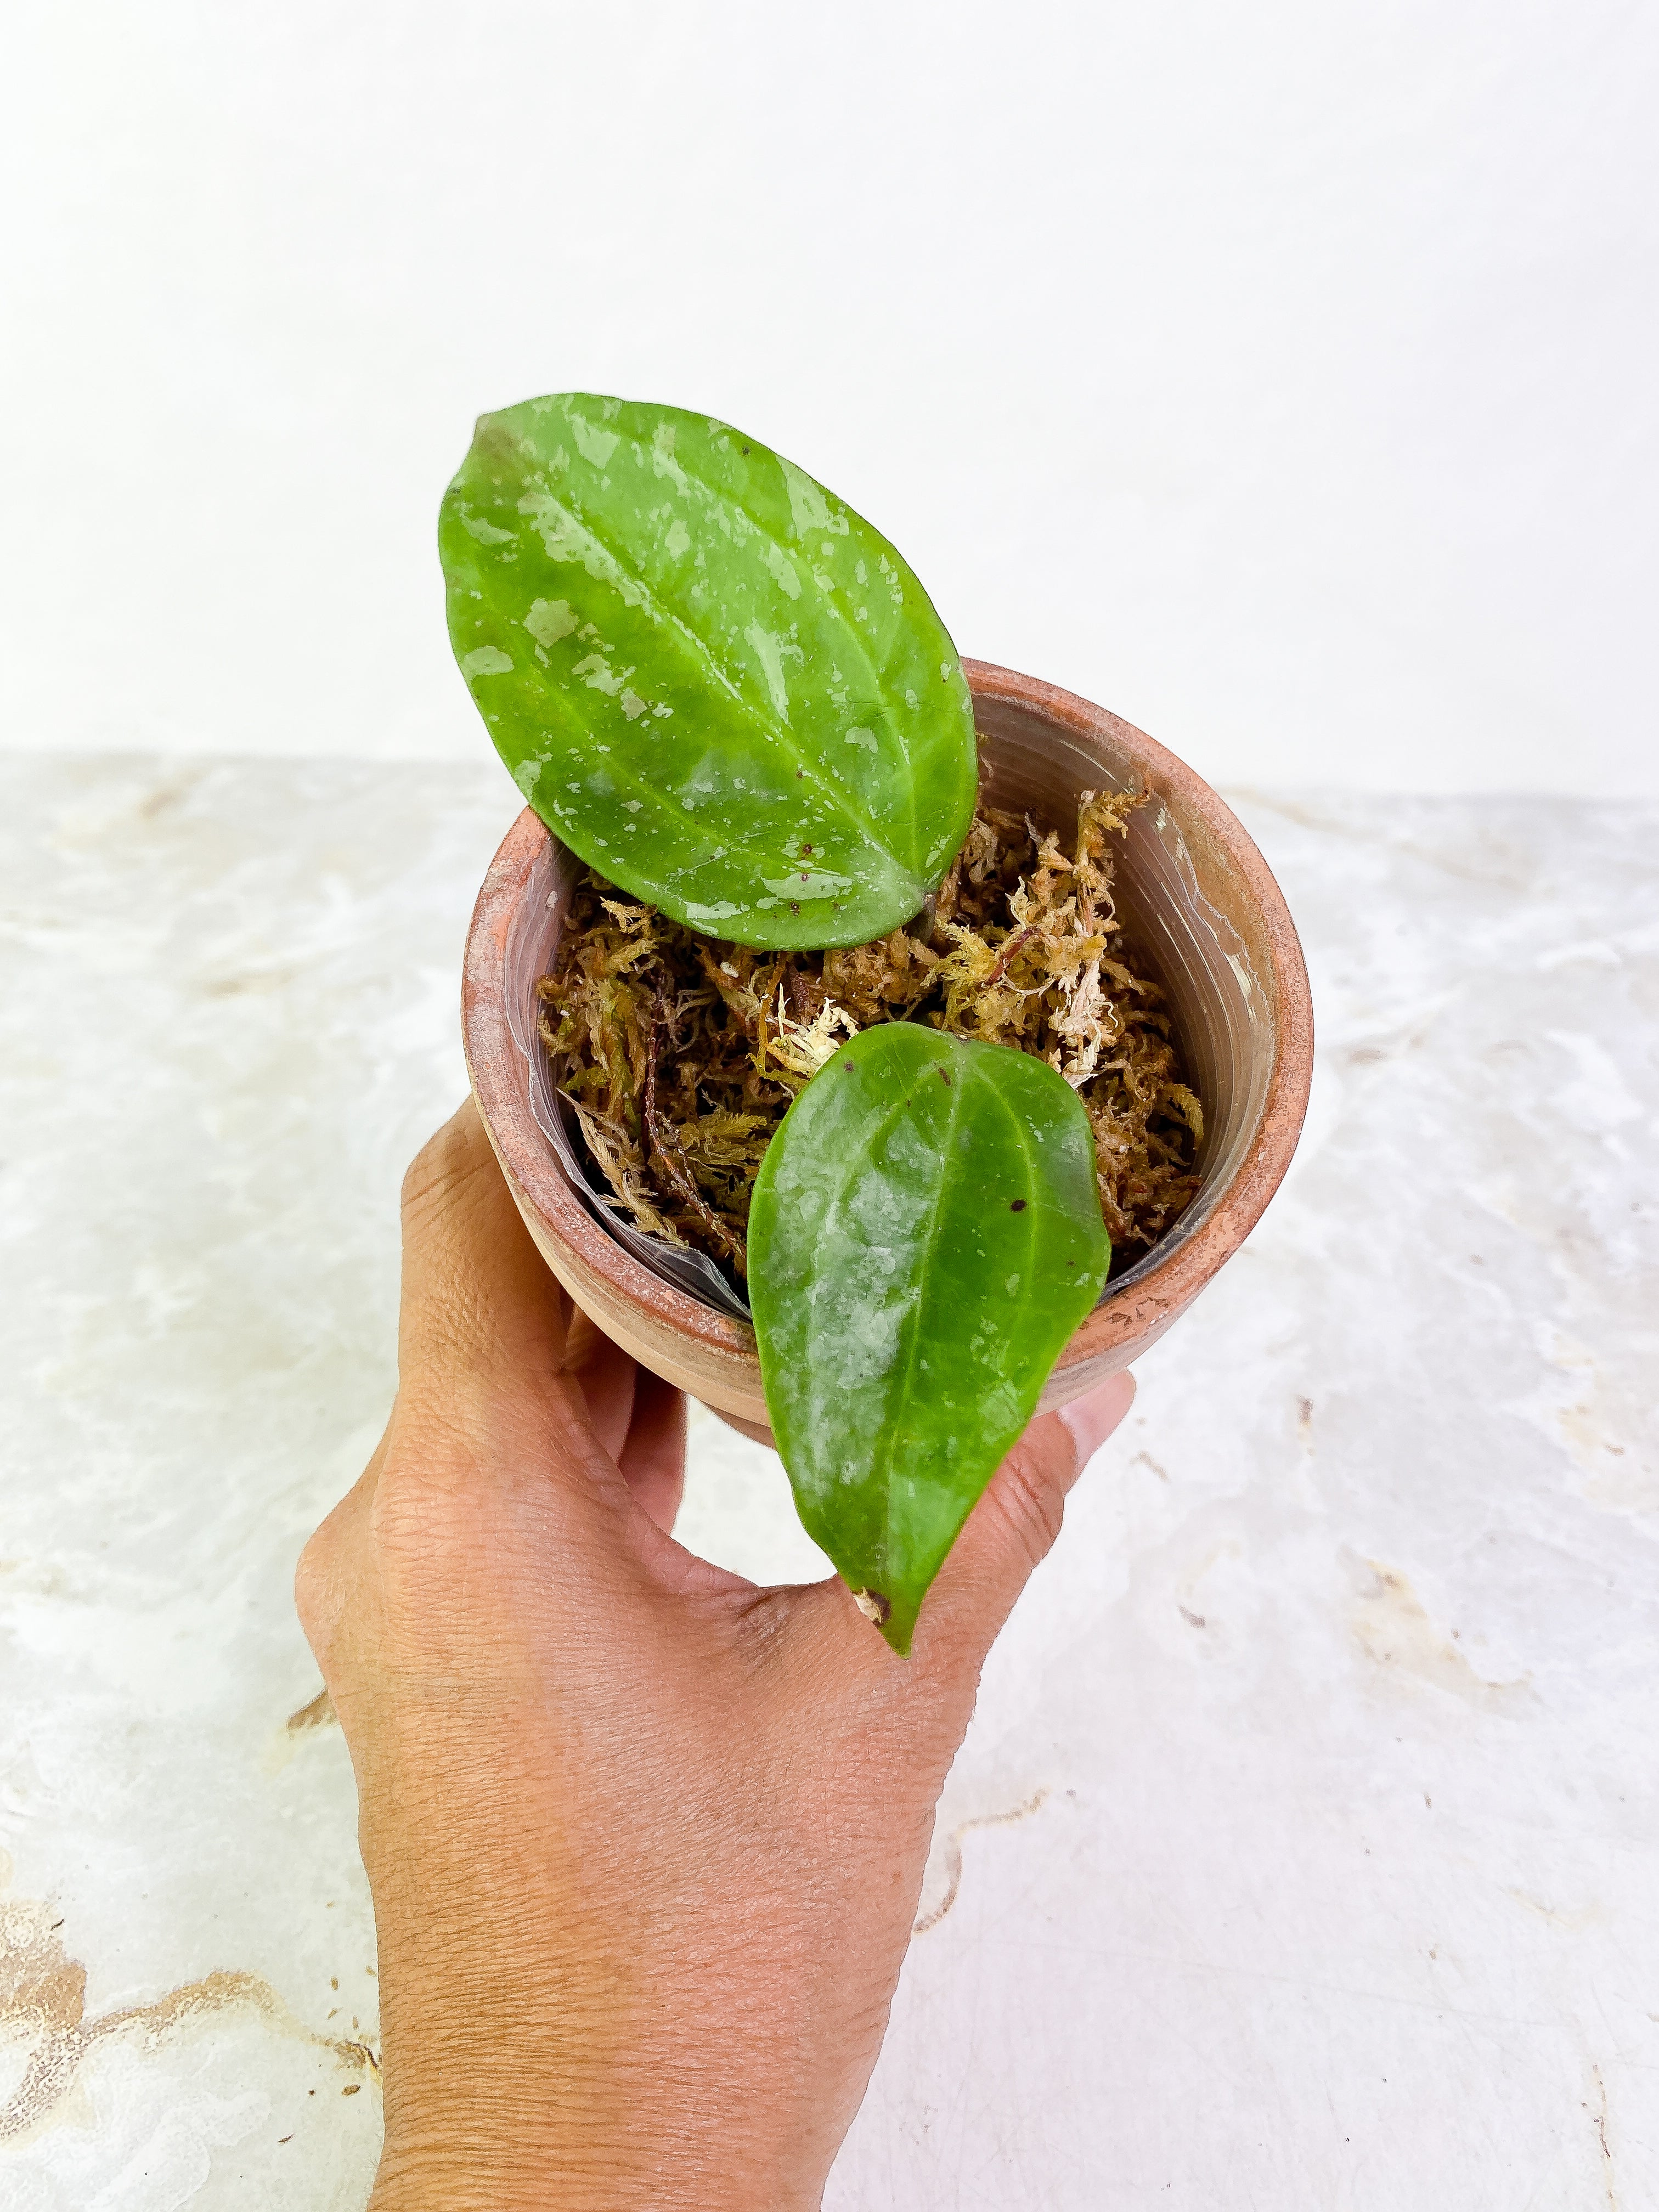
x,y
1305,1850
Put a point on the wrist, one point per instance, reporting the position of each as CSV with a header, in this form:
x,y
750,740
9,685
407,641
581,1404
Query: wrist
x,y
459,2176
609,2137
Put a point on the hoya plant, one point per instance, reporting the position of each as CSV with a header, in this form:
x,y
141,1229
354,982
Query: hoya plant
x,y
727,694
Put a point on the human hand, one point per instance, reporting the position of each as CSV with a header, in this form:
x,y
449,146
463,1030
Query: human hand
x,y
645,1841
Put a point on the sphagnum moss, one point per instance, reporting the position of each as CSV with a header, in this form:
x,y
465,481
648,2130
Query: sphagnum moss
x,y
681,1054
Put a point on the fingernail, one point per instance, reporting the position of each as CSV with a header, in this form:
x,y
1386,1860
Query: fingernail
x,y
1092,1417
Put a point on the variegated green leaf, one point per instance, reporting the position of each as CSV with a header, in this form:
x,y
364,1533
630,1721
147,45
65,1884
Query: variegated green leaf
x,y
926,1235
711,678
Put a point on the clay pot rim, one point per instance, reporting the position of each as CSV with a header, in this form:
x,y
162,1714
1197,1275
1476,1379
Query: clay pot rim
x,y
1142,1308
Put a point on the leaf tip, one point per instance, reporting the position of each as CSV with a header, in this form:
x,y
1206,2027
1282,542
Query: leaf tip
x,y
897,1629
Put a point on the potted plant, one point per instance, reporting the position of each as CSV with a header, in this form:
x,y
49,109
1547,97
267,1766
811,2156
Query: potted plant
x,y
726,693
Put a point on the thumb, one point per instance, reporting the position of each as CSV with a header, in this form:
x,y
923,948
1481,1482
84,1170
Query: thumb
x,y
477,1298
1012,1529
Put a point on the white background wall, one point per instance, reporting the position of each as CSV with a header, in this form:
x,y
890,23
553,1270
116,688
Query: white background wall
x,y
1281,375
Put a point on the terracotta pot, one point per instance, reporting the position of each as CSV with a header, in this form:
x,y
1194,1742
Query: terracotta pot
x,y
1200,905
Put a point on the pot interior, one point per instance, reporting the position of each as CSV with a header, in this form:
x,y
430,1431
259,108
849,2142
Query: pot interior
x,y
1178,924
1176,921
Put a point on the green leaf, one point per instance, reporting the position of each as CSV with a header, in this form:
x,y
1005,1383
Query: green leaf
x,y
713,681
926,1235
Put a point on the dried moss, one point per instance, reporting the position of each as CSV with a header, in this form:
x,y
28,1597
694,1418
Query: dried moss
x,y
681,1054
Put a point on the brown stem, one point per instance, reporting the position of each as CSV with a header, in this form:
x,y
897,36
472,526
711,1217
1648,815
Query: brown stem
x,y
1007,953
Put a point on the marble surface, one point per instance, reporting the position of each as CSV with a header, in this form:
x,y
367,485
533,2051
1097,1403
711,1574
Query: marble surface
x,y
1305,1850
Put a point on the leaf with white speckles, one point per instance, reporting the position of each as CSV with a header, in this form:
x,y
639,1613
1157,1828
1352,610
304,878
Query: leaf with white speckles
x,y
925,1234
657,614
